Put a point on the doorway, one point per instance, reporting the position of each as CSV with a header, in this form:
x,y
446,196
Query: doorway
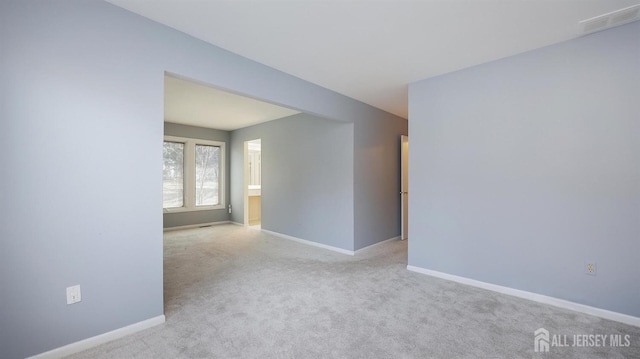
x,y
253,183
404,186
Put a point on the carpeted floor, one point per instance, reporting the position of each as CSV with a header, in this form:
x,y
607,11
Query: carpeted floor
x,y
234,292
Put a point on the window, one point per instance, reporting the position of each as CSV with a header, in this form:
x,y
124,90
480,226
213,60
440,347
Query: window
x,y
193,174
173,175
207,159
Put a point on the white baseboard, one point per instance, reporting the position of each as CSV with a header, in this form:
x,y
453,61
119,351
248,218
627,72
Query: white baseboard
x,y
194,226
556,302
376,244
100,339
315,244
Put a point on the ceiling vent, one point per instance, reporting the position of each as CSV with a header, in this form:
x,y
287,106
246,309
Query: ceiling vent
x,y
609,20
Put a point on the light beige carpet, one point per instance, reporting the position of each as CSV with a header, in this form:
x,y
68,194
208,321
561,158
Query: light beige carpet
x,y
234,292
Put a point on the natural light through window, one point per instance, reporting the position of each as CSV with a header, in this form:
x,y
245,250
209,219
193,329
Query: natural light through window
x,y
173,175
207,159
193,174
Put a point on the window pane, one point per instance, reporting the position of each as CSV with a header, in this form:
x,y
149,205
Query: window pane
x,y
172,175
207,164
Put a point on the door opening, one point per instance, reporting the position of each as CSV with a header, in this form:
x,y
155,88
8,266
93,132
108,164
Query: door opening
x,y
253,183
404,186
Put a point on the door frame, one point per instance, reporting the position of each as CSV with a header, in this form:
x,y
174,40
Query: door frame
x,y
404,187
247,179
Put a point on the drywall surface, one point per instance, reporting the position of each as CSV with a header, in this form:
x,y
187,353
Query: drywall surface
x,y
198,217
307,178
524,169
377,179
81,103
81,183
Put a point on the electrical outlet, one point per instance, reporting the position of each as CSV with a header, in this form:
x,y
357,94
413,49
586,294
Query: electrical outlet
x,y
590,268
73,294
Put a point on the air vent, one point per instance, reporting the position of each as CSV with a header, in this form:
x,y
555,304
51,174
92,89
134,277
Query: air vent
x,y
606,21
623,17
599,23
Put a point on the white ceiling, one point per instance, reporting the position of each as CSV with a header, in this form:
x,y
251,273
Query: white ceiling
x,y
370,50
189,103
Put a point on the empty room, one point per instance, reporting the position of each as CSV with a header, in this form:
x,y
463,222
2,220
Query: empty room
x,y
229,179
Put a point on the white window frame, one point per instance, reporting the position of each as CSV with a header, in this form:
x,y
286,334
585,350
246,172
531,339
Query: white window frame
x,y
189,175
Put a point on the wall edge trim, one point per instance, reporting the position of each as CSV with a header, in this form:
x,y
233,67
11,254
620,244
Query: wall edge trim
x,y
198,225
100,339
375,244
311,243
540,298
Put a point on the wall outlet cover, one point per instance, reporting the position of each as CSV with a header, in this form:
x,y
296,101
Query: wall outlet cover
x,y
73,294
590,268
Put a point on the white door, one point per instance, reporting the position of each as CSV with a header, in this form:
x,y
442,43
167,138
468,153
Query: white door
x,y
404,191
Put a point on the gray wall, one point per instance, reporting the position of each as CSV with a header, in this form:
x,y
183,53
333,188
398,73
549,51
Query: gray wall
x,y
77,77
523,169
377,179
197,217
307,178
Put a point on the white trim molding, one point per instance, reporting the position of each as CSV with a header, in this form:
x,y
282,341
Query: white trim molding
x,y
189,174
100,339
315,244
556,302
376,244
199,225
